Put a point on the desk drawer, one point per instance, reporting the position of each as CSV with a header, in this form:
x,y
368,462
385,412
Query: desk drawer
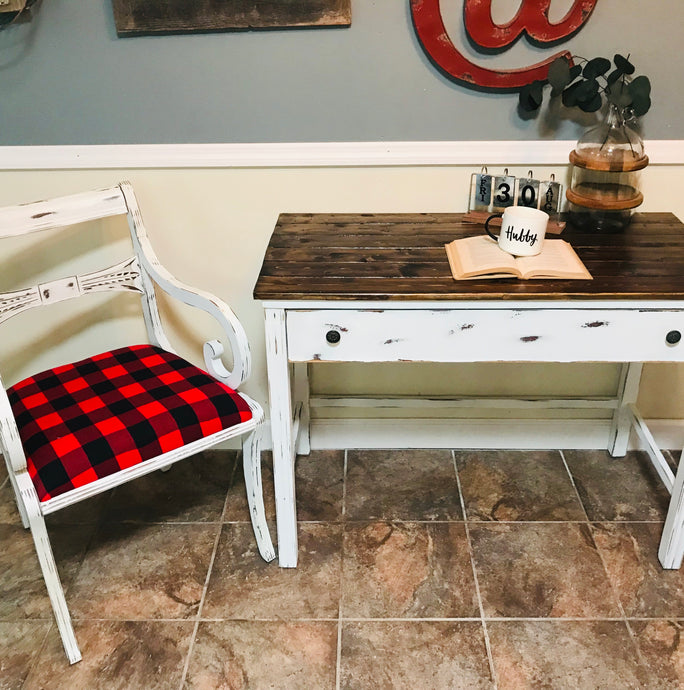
x,y
486,335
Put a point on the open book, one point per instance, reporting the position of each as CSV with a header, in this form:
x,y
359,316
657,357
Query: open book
x,y
481,257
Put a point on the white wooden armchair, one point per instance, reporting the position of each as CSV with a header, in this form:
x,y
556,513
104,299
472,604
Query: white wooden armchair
x,y
76,430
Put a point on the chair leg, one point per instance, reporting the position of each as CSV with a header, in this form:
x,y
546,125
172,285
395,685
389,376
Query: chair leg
x,y
49,569
251,464
20,501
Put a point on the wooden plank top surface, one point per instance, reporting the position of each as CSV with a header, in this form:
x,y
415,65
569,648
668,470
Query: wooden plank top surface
x,y
379,256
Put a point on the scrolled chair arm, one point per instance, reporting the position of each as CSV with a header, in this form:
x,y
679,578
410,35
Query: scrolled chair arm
x,y
213,349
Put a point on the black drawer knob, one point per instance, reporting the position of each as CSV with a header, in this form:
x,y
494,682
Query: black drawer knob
x,y
333,337
673,337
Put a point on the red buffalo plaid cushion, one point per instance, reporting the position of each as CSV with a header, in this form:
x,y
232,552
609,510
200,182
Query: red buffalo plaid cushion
x,y
84,421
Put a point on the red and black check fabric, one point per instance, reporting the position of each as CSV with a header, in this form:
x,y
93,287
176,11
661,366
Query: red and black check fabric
x,y
84,421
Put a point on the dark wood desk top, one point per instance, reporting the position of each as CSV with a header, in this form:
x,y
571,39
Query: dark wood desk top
x,y
379,256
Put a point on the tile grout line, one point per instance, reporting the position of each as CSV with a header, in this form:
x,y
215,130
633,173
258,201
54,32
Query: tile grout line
x,y
37,656
575,489
483,621
474,521
338,661
205,588
621,608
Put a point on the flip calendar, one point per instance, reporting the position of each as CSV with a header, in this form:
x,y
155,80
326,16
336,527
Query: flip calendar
x,y
492,193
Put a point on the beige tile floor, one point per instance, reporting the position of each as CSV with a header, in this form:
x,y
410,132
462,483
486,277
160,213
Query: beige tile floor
x,y
418,569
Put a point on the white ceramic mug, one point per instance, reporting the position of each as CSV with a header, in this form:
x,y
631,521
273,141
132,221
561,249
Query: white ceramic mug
x,y
522,230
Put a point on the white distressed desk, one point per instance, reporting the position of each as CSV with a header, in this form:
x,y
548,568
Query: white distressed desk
x,y
377,288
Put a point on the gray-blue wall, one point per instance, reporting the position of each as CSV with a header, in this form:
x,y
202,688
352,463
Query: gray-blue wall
x,y
66,78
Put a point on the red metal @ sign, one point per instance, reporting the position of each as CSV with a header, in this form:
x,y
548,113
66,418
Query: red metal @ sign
x,y
532,19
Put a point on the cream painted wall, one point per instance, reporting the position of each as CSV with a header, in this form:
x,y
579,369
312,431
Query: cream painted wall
x,y
210,227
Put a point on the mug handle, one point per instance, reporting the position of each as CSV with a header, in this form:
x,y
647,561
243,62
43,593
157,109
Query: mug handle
x,y
487,230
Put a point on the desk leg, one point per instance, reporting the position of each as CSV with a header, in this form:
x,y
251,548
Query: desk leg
x,y
628,389
301,396
672,541
281,432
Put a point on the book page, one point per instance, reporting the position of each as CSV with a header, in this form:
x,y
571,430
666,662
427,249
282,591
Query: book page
x,y
557,259
479,255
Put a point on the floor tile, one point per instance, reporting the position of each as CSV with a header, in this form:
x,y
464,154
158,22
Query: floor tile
x,y
138,571
20,644
9,514
405,655
661,643
249,654
244,586
401,485
549,578
540,570
320,481
517,485
407,570
122,655
191,490
87,512
645,588
618,488
319,487
582,655
22,587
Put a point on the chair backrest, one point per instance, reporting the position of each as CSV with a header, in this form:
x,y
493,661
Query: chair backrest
x,y
139,273
129,275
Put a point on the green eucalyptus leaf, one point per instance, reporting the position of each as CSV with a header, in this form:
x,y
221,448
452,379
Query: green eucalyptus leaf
x,y
614,76
592,105
575,71
587,89
641,105
569,97
596,67
641,86
559,73
531,96
623,64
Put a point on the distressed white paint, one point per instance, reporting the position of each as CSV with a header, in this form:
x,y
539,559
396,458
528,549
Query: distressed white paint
x,y
419,432
651,447
48,566
487,331
140,273
251,463
193,297
62,212
445,402
123,276
280,403
671,548
485,335
300,386
628,390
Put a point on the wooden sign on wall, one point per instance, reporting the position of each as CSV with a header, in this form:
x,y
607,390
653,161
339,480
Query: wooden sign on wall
x,y
140,17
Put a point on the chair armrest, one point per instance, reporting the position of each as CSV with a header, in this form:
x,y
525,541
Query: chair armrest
x,y
193,297
213,349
